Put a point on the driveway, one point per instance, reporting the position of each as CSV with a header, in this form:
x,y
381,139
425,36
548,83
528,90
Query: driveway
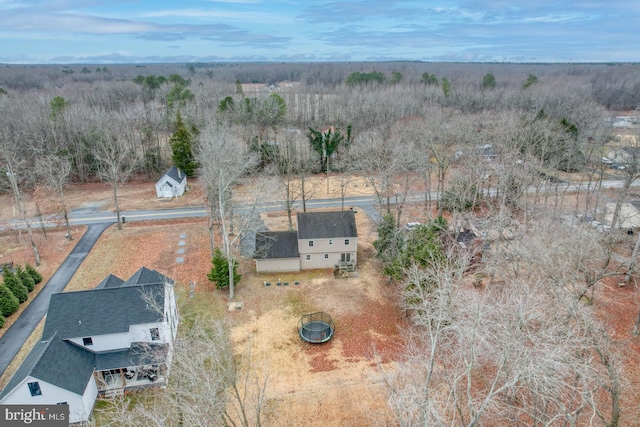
x,y
17,334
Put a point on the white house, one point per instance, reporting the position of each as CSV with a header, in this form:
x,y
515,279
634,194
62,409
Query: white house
x,y
172,184
116,336
323,240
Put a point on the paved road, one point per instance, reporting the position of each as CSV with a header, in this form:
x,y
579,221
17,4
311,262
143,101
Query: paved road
x,y
17,334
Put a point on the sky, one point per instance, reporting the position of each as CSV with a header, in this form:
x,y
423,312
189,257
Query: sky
x,y
145,31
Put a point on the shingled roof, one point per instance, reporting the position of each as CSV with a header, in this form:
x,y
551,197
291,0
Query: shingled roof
x,y
52,361
276,244
176,174
102,311
110,281
326,225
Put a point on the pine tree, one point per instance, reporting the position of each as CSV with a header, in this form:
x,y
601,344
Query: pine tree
x,y
182,147
37,277
14,284
220,271
8,302
26,278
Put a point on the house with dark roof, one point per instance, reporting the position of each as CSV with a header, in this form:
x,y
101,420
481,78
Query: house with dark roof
x,y
105,340
172,184
323,240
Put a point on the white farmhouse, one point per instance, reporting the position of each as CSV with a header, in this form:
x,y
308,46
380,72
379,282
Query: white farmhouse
x,y
114,337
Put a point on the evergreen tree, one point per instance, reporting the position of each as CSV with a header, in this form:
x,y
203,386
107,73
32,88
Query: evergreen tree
x,y
446,86
488,81
26,278
182,147
220,271
8,302
1,320
14,284
37,277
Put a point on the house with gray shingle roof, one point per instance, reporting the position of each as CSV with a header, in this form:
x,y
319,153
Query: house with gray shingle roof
x,y
172,184
323,240
105,340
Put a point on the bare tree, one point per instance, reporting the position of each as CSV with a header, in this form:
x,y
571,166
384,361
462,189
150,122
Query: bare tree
x,y
116,158
14,163
224,160
55,171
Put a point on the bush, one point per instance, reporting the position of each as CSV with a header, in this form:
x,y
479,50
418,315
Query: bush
x,y
14,284
37,277
1,320
26,278
8,302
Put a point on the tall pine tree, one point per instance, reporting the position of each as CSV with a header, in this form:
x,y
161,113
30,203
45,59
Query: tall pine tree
x,y
182,147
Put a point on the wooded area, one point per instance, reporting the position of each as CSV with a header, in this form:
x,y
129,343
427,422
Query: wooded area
x,y
498,142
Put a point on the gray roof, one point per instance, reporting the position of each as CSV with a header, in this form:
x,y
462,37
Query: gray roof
x,y
276,244
110,281
326,225
52,361
102,311
138,354
145,276
176,174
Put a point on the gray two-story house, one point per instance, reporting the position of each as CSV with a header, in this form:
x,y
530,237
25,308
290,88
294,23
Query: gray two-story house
x,y
323,240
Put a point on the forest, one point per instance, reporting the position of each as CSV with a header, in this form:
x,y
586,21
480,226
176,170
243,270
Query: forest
x,y
517,148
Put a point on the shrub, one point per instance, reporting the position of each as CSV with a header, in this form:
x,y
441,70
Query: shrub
x,y
37,277
1,320
8,302
14,284
26,278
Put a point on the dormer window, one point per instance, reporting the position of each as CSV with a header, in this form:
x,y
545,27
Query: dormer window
x,y
34,388
87,341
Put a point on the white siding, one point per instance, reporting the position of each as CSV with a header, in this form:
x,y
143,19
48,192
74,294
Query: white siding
x,y
334,247
277,265
105,342
79,406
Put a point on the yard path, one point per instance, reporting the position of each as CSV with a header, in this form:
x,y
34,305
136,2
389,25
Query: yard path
x,y
17,334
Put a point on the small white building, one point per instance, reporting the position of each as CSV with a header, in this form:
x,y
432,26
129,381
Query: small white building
x,y
115,337
172,184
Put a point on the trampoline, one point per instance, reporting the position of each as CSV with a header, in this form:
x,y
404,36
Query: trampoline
x,y
316,327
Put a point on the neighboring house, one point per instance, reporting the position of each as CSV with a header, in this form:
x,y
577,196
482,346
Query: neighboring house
x,y
116,336
625,155
323,240
172,184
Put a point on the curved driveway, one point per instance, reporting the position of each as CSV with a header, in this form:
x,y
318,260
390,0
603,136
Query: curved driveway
x,y
17,334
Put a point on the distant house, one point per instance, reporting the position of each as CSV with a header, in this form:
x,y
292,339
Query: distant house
x,y
323,240
172,184
114,337
625,155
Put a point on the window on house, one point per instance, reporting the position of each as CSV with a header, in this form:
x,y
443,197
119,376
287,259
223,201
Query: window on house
x,y
308,257
155,334
346,241
310,243
330,242
34,388
345,257
87,341
326,256
62,403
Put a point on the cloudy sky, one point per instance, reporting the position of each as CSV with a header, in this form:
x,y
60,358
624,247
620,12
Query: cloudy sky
x,y
124,31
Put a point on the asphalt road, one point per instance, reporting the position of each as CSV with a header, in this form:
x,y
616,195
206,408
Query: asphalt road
x,y
17,334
